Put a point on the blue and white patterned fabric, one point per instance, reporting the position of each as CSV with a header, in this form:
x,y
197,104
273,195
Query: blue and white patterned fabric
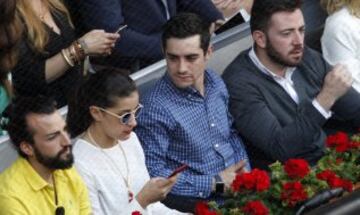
x,y
179,126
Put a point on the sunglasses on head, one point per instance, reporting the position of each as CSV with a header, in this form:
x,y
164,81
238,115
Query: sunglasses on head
x,y
126,117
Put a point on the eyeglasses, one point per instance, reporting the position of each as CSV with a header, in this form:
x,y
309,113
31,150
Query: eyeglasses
x,y
126,117
60,210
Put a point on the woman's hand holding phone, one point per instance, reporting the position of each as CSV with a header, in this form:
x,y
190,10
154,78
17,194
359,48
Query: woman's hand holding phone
x,y
155,190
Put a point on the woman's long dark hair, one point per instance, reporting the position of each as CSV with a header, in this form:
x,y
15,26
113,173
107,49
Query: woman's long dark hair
x,y
100,89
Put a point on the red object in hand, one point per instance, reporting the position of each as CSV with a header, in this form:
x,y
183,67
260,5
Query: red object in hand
x,y
178,170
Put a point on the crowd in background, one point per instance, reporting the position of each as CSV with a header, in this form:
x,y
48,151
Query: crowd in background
x,y
81,53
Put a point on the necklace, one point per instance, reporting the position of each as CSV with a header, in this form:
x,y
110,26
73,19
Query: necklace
x,y
126,179
59,209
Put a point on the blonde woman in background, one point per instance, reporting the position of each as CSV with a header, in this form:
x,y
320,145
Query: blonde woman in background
x,y
341,38
50,54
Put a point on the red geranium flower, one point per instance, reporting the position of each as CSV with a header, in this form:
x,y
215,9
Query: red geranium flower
x,y
248,180
335,181
255,208
326,175
292,193
338,182
237,183
347,185
255,180
297,168
262,180
354,145
340,141
338,138
202,208
342,147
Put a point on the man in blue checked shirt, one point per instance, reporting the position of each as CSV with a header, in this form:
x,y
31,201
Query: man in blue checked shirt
x,y
186,119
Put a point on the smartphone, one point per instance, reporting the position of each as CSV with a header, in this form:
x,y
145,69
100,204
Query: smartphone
x,y
120,28
179,169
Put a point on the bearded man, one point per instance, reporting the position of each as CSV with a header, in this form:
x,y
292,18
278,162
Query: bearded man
x,y
42,180
282,93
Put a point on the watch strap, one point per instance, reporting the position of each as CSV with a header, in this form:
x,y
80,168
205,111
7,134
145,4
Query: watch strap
x,y
219,185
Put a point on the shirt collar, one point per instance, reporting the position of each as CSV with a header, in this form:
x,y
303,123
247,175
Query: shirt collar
x,y
33,178
288,72
208,82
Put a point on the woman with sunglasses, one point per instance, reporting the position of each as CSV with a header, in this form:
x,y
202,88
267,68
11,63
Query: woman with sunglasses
x,y
108,153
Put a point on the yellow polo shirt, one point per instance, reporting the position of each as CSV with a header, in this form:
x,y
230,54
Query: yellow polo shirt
x,y
23,191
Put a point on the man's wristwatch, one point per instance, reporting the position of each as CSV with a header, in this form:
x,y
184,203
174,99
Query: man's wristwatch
x,y
219,185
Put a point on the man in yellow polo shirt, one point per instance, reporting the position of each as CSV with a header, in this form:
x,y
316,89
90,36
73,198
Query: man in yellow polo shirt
x,y
42,180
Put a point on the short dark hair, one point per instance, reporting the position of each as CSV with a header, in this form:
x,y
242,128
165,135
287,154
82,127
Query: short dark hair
x,y
17,112
262,11
100,89
185,25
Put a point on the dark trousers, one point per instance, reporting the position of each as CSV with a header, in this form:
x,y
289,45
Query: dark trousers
x,y
187,204
181,203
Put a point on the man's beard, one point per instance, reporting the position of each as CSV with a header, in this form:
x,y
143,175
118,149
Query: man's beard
x,y
276,57
55,162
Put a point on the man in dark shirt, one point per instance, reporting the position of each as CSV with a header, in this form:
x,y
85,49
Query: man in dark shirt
x,y
140,41
282,93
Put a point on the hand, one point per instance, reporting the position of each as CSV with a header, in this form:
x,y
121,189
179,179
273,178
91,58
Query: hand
x,y
99,42
247,5
155,190
337,82
228,7
228,175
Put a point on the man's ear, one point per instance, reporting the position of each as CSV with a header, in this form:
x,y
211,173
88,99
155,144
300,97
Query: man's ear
x,y
96,113
27,148
259,38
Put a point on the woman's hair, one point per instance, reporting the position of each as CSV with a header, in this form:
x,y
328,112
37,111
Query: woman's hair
x,y
10,35
331,6
36,31
101,89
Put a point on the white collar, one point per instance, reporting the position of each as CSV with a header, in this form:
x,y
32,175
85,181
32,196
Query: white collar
x,y
288,70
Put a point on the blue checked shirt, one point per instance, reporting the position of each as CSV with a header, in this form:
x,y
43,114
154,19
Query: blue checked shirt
x,y
179,126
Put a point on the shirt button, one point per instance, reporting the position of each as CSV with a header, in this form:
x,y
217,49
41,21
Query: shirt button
x,y
216,145
212,124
